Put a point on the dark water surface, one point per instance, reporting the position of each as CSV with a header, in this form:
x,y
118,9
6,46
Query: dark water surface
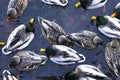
x,y
70,19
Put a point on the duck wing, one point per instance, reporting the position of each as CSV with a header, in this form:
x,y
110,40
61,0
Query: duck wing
x,y
66,56
30,60
112,56
83,38
96,4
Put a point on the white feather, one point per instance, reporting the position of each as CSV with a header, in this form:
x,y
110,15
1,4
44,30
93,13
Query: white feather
x,y
96,4
55,2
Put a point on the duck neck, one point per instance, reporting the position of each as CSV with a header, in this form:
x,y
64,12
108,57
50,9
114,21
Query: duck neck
x,y
29,27
50,51
85,3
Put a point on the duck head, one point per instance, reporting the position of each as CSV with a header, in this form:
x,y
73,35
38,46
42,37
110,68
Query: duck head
x,y
63,40
15,60
100,20
11,14
29,27
114,44
70,76
97,40
49,51
83,3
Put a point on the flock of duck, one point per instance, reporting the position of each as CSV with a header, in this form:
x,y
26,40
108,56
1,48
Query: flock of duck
x,y
61,52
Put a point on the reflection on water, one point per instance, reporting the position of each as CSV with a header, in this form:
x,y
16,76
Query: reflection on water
x,y
71,20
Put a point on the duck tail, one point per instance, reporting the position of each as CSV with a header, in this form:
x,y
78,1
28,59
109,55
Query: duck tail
x,y
5,51
82,58
44,59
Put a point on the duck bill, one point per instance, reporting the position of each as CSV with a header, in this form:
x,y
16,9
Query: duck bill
x,y
31,21
2,43
78,4
9,19
42,50
93,19
114,14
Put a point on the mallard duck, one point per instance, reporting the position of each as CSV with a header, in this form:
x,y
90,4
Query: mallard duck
x,y
91,4
116,12
8,76
16,8
19,38
112,55
85,39
56,2
86,72
107,25
53,32
27,61
63,55
2,43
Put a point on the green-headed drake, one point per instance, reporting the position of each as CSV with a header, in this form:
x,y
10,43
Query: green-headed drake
x,y
63,55
108,25
86,72
90,4
20,37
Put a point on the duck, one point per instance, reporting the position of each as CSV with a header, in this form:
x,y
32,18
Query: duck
x,y
27,61
63,55
108,26
8,76
112,56
56,2
52,32
85,39
90,4
20,37
116,12
16,8
2,43
85,72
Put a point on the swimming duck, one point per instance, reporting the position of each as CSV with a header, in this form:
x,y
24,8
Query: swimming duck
x,y
116,12
56,2
85,39
86,72
91,4
8,76
2,43
112,55
16,8
27,61
107,25
63,55
53,32
20,37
